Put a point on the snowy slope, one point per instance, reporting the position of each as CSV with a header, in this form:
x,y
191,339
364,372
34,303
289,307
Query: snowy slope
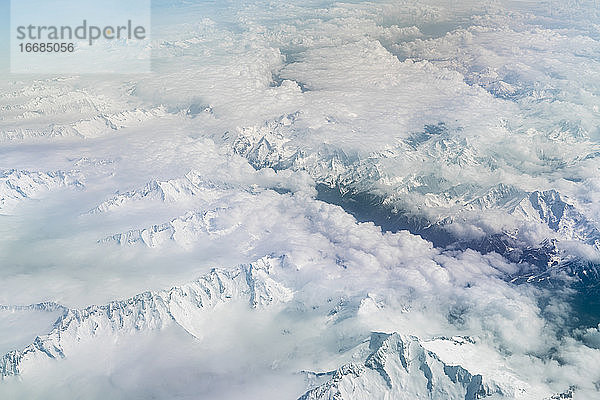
x,y
400,368
19,185
150,311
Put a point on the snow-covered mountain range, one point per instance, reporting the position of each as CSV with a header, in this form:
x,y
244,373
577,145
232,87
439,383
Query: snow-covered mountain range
x,y
310,200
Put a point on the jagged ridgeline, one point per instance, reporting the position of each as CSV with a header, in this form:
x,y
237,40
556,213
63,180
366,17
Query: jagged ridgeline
x,y
149,311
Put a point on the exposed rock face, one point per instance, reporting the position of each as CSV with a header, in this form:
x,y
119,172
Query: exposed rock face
x,y
399,367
